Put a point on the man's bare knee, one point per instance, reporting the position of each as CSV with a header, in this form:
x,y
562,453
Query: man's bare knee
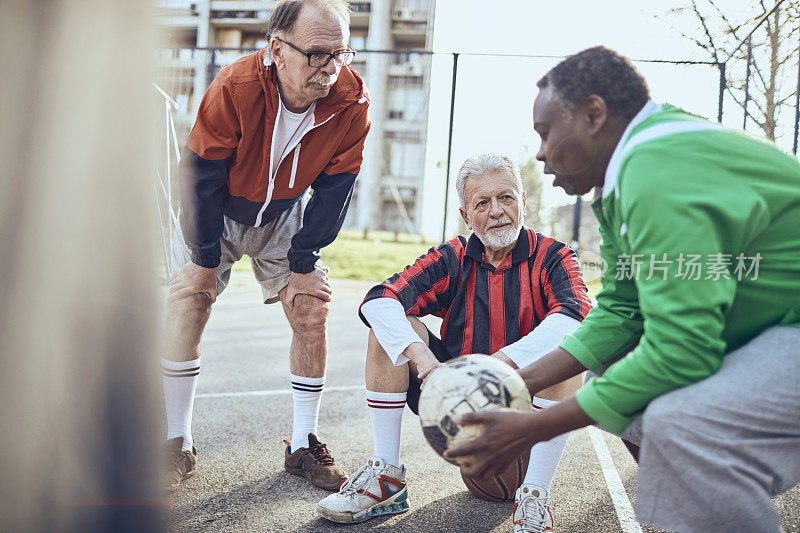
x,y
309,315
375,351
186,320
376,355
381,375
373,346
194,309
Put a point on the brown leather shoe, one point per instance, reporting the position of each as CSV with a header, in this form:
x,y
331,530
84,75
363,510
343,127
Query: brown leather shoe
x,y
181,464
314,463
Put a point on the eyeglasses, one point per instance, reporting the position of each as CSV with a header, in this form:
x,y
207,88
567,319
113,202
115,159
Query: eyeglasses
x,y
321,59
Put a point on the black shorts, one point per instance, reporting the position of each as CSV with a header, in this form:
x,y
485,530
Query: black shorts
x,y
437,347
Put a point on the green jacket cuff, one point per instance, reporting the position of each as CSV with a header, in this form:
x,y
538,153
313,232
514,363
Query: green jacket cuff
x,y
598,411
579,351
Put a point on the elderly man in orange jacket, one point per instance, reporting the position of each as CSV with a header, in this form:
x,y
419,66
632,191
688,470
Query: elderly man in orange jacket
x,y
271,125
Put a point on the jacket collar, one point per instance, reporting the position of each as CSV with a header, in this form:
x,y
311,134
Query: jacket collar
x,y
612,170
522,251
348,89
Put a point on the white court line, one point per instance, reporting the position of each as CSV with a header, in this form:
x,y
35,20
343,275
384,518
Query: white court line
x,y
622,505
274,392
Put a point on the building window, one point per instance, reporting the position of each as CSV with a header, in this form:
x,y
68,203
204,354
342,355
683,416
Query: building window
x,y
407,136
396,113
360,7
405,81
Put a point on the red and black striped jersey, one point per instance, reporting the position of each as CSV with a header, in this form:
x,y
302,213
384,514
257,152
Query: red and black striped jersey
x,y
484,308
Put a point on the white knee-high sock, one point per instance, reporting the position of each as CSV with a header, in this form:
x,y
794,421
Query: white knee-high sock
x,y
180,383
385,417
545,456
307,395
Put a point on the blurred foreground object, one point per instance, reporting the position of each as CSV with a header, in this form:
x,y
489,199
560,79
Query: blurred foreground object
x,y
77,273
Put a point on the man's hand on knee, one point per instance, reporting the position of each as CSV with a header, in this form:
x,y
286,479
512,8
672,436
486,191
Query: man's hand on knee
x,y
315,284
308,315
193,279
424,360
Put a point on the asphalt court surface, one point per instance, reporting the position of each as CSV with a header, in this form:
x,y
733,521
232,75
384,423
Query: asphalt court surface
x,y
243,412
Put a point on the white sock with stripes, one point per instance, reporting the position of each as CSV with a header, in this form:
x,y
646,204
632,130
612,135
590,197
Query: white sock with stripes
x,y
307,395
385,417
545,456
180,383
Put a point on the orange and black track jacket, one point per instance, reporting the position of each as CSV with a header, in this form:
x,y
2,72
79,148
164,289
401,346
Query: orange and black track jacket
x,y
225,168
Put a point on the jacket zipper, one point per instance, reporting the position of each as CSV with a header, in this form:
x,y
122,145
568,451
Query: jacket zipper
x,y
271,185
294,165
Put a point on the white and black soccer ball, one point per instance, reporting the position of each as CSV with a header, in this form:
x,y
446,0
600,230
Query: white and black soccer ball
x,y
462,385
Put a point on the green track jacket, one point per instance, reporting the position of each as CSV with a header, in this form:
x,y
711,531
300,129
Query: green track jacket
x,y
701,235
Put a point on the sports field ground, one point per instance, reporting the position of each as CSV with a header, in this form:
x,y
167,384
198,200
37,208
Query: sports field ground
x,y
243,412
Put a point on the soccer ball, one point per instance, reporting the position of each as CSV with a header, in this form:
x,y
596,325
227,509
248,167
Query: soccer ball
x,y
464,385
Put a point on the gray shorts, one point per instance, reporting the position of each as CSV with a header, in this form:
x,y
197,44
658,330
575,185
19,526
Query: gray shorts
x,y
714,452
267,247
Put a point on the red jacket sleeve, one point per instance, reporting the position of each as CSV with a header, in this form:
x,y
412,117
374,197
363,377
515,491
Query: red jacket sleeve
x,y
560,279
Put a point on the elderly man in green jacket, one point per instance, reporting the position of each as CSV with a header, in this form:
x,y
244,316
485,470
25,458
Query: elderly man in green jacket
x,y
697,328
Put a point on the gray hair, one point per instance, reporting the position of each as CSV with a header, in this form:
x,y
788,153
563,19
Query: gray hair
x,y
284,14
601,71
476,167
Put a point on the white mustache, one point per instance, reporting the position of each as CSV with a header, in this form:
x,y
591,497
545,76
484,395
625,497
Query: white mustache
x,y
323,79
500,223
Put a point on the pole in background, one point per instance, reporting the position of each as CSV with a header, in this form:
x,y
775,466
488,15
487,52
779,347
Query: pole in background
x,y
722,84
797,106
576,224
747,81
449,146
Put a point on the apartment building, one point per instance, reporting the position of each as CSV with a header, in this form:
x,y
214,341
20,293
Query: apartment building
x,y
202,36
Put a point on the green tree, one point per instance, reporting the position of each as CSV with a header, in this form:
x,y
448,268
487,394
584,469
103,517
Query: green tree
x,y
532,181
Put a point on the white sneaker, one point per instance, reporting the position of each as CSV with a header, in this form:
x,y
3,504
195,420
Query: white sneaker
x,y
373,490
532,510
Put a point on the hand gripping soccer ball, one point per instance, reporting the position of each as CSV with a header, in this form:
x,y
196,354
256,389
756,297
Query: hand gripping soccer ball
x,y
464,385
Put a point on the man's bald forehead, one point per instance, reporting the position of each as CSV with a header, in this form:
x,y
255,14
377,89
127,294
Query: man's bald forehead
x,y
286,14
312,10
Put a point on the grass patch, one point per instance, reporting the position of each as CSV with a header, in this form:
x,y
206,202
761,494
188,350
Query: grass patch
x,y
373,259
594,287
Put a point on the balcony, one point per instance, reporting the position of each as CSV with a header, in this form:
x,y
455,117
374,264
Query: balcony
x,y
409,34
178,58
359,14
407,69
410,10
242,14
404,126
177,15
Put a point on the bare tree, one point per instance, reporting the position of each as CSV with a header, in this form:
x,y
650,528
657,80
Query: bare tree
x,y
759,50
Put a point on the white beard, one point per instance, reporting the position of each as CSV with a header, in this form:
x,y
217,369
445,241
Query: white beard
x,y
500,238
